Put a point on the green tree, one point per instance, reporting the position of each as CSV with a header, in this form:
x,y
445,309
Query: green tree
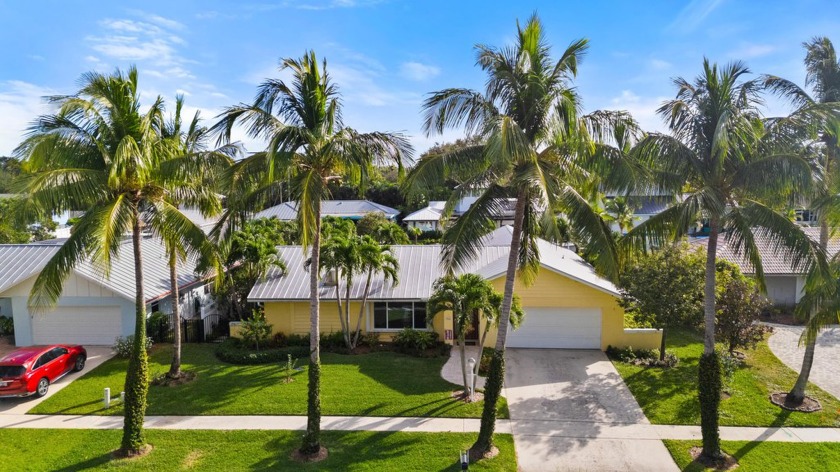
x,y
739,307
100,152
816,122
308,146
621,212
532,145
719,156
377,226
189,154
664,289
465,296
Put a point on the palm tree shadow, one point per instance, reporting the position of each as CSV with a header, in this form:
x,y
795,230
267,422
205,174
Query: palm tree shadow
x,y
780,420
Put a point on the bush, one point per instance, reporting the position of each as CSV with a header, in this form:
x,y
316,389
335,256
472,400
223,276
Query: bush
x,y
7,325
297,340
642,357
123,345
256,331
235,351
419,343
729,364
279,340
739,308
157,327
333,341
370,340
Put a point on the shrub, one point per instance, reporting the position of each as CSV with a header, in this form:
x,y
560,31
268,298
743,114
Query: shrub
x,y
289,368
729,364
333,341
123,345
235,351
370,340
157,327
256,331
739,308
297,340
642,357
7,325
279,340
417,343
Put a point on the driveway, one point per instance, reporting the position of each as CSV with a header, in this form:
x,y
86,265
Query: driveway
x,y
18,406
570,410
825,372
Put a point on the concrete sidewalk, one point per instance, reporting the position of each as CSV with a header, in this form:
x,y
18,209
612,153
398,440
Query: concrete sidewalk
x,y
552,428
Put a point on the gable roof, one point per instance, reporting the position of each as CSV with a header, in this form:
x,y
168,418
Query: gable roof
x,y
773,258
352,209
27,260
419,268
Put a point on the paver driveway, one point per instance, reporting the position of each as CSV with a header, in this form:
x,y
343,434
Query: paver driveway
x,y
570,410
825,372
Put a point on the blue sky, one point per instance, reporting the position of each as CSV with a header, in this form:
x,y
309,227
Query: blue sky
x,y
386,55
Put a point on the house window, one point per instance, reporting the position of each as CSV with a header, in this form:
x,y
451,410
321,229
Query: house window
x,y
399,315
155,307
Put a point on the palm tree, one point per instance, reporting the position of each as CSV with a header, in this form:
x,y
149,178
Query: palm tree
x,y
308,147
464,296
188,152
532,145
100,152
720,158
374,258
620,212
815,121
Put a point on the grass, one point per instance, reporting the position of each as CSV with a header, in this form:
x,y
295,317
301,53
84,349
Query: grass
x,y
375,384
71,450
761,456
669,396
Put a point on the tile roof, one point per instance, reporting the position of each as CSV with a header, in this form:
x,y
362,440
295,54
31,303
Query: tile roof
x,y
650,205
22,261
419,268
773,258
287,211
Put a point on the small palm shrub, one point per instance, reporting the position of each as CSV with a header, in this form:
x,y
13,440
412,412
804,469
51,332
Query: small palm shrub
x,y
289,368
256,331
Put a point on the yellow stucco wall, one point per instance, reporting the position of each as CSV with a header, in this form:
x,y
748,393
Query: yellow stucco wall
x,y
548,291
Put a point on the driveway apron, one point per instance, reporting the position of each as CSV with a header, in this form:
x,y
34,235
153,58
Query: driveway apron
x,y
570,410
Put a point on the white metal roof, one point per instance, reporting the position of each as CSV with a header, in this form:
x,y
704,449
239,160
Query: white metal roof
x,y
419,268
22,261
287,211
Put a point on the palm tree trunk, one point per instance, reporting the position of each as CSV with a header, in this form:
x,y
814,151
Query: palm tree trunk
x,y
362,309
797,394
662,346
175,368
312,439
346,316
496,373
463,350
709,371
137,374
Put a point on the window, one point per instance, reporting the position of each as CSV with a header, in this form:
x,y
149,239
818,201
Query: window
x,y
58,352
44,360
399,315
155,307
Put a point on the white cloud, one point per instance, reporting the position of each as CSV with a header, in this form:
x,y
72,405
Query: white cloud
x,y
20,103
36,57
643,109
692,15
91,58
751,51
659,64
418,71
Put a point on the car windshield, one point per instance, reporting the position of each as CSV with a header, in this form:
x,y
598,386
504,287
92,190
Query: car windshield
x,y
11,370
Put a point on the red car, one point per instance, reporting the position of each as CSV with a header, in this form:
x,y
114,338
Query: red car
x,y
31,370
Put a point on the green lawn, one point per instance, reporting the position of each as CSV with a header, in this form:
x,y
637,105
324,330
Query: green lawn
x,y
669,396
765,456
71,450
376,384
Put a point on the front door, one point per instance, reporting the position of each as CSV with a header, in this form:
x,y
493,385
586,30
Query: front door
x,y
471,336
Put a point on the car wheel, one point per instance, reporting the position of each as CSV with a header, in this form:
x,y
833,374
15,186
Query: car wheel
x,y
80,364
43,387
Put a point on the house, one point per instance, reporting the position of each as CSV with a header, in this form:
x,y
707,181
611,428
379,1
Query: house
x,y
785,282
568,306
429,218
94,309
349,209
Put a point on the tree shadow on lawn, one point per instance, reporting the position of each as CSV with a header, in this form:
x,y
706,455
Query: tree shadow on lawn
x,y
654,387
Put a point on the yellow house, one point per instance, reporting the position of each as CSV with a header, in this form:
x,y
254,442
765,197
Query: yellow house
x,y
568,306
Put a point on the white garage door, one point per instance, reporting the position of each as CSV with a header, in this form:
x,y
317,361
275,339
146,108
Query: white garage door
x,y
77,325
566,328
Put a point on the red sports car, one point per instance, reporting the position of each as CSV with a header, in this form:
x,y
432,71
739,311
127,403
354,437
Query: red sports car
x,y
31,370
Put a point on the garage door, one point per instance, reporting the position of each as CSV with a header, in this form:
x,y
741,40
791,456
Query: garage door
x,y
565,328
78,325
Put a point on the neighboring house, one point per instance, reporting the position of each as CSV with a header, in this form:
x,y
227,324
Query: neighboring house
x,y
568,306
93,309
785,283
429,218
349,209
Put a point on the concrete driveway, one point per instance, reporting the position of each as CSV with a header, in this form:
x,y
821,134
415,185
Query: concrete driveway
x,y
18,406
570,410
825,372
